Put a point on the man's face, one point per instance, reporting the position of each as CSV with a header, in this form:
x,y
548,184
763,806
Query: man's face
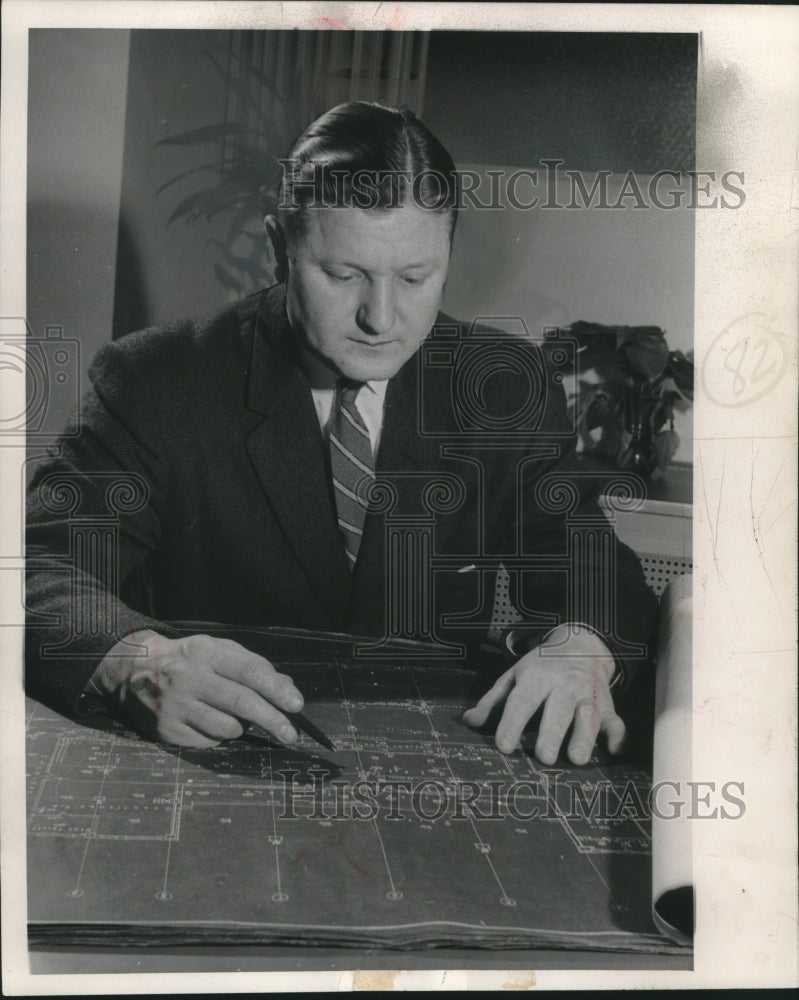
x,y
364,286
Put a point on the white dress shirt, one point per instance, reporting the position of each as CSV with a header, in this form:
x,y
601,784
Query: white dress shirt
x,y
369,402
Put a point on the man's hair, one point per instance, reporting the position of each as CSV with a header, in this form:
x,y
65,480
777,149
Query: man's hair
x,y
365,155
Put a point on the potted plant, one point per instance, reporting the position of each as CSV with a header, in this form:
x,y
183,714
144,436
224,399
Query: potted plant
x,y
627,418
244,178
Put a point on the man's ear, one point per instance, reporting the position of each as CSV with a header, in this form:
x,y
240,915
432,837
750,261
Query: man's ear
x,y
277,238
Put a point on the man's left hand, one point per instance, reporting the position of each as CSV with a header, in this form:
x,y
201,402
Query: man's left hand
x,y
569,674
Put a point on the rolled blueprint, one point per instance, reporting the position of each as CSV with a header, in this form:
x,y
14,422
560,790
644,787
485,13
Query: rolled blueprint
x,y
672,866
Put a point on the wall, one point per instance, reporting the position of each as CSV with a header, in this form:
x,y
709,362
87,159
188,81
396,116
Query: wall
x,y
596,100
164,271
626,266
77,97
555,266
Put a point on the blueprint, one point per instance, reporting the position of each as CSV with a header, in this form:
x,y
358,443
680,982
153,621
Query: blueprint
x,y
415,832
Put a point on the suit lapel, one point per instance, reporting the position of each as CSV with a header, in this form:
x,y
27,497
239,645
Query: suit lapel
x,y
287,453
289,458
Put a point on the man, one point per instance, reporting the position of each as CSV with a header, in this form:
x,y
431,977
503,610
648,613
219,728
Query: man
x,y
258,440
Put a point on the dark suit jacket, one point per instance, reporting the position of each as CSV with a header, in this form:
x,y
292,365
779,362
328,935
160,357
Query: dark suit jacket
x,y
194,485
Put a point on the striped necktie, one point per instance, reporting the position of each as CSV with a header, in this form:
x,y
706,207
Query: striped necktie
x,y
351,461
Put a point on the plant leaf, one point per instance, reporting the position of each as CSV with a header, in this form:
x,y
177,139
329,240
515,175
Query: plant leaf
x,y
207,133
597,350
241,89
646,353
666,444
242,217
262,77
600,411
627,333
223,198
594,341
681,370
250,265
185,174
190,206
226,279
254,167
663,412
229,196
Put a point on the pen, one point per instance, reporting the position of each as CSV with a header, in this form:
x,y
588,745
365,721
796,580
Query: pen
x,y
301,722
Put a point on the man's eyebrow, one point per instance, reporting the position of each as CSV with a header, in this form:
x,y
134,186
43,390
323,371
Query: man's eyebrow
x,y
338,262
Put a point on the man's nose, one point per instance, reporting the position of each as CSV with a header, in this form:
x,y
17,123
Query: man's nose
x,y
377,311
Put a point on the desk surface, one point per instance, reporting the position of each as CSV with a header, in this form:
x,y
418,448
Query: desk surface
x,y
131,841
308,958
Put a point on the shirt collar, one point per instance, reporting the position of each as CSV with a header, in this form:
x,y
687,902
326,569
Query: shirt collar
x,y
322,377
378,387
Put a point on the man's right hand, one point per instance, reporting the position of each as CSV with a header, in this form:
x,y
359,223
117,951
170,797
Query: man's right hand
x,y
197,690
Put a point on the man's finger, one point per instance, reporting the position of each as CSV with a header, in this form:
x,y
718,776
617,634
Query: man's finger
x,y
477,715
212,723
558,714
587,722
615,731
180,735
255,672
522,704
244,703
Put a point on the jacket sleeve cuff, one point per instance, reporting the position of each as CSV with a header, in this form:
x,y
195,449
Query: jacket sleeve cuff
x,y
91,701
521,639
